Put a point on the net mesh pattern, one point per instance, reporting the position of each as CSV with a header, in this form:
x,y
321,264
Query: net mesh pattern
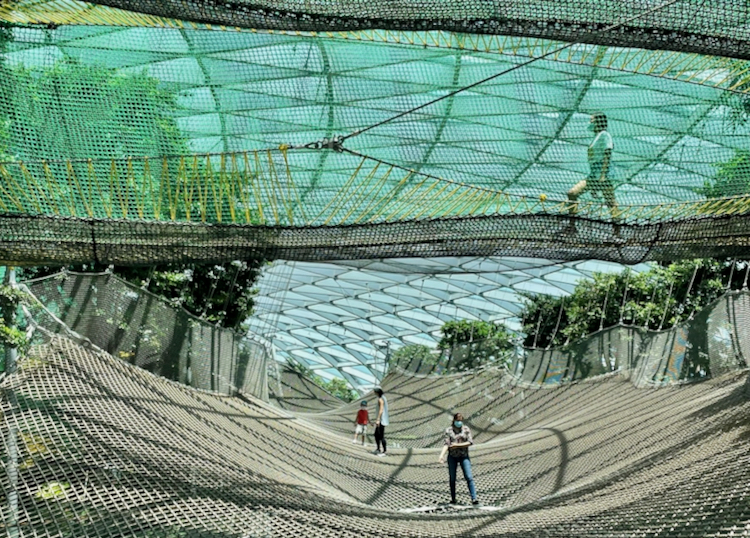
x,y
717,27
295,392
141,328
599,457
713,342
138,145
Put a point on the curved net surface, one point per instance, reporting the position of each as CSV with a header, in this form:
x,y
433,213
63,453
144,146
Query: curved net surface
x,y
143,329
107,449
295,392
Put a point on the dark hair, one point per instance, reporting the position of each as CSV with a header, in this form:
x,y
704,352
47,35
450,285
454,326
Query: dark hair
x,y
378,391
455,417
600,120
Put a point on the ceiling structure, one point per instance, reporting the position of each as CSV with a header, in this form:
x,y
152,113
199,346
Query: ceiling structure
x,y
345,318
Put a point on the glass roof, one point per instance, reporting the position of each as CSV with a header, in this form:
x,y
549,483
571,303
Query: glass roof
x,y
524,133
346,317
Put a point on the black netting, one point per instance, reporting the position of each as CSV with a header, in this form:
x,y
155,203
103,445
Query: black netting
x,y
706,26
57,241
142,329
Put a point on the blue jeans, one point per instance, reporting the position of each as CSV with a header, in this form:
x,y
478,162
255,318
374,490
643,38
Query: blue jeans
x,y
466,468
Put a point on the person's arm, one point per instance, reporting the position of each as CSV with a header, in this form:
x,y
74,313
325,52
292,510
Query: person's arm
x,y
443,452
380,411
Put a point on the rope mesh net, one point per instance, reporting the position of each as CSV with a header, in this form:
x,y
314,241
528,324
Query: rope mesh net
x,y
716,27
106,449
651,357
142,329
141,141
368,130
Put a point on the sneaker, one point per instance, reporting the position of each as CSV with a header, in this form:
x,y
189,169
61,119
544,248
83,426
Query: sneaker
x,y
453,501
475,502
354,441
381,454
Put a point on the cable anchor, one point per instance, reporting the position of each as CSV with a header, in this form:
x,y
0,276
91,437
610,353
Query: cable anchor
x,y
335,143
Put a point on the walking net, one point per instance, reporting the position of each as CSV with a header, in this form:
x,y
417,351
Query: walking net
x,y
107,449
132,139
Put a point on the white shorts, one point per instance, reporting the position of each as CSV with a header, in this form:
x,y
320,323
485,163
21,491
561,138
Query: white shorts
x,y
361,429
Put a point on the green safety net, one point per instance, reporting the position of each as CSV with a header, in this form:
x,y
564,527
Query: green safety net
x,y
131,139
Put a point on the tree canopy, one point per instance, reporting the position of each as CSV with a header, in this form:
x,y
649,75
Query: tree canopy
x,y
655,299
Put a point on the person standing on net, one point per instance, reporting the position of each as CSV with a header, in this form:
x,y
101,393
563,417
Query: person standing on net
x,y
381,422
362,420
600,157
457,442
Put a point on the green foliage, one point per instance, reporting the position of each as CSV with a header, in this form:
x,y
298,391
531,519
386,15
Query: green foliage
x,y
471,344
116,114
659,298
220,294
339,388
10,334
732,177
336,386
413,354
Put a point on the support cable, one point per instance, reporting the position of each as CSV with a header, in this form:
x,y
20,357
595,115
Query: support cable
x,y
687,295
604,307
731,274
341,139
666,305
538,325
624,297
557,325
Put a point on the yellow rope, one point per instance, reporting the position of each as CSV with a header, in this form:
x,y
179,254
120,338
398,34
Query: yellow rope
x,y
51,184
256,188
347,185
374,199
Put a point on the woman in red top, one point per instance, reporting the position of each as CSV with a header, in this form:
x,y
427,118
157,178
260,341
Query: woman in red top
x,y
363,419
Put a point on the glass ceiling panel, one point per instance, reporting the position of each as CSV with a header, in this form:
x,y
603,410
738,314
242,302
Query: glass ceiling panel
x,y
524,133
416,311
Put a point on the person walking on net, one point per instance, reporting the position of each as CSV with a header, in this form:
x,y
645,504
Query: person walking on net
x,y
457,442
381,422
600,158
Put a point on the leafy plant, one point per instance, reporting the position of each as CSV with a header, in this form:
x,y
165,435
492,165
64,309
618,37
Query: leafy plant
x,y
470,344
339,388
732,177
658,298
10,334
413,354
